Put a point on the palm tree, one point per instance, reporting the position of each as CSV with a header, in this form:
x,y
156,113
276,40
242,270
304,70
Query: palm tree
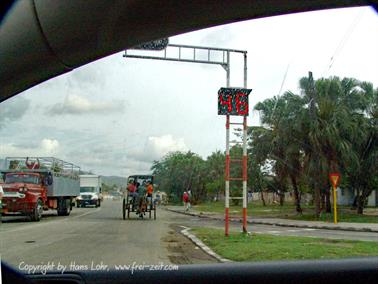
x,y
363,169
279,140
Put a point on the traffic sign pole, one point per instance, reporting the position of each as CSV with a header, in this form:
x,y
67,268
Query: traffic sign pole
x,y
334,205
334,178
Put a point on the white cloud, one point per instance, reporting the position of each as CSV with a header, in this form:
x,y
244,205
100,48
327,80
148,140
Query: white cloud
x,y
49,145
163,144
158,146
13,109
46,147
74,104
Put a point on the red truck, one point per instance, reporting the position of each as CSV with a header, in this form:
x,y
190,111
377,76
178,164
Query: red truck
x,y
32,185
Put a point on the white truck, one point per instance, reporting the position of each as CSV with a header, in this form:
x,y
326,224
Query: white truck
x,y
90,191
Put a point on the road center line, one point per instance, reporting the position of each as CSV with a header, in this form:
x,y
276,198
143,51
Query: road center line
x,y
32,226
81,215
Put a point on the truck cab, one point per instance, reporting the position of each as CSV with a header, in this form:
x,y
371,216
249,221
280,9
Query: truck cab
x,y
25,193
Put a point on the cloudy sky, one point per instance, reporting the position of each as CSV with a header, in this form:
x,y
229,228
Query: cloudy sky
x,y
116,115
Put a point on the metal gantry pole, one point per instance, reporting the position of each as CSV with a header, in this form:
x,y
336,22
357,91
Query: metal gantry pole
x,y
225,63
244,174
245,200
227,173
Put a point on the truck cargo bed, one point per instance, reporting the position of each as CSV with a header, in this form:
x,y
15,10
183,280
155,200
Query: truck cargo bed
x,y
63,186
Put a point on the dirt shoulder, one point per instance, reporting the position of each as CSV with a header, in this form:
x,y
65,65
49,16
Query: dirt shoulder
x,y
181,250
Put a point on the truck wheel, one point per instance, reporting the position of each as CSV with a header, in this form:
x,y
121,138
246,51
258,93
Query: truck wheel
x,y
62,211
69,207
64,207
36,214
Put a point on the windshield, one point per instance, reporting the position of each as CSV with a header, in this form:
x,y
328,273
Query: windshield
x,y
22,178
257,138
88,189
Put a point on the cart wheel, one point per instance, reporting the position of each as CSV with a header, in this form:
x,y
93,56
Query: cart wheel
x,y
124,209
154,212
128,211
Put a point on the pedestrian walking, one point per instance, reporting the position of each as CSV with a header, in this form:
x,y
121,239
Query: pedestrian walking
x,y
249,196
185,198
158,198
190,199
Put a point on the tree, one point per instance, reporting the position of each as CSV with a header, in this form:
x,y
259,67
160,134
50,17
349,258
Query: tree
x,y
279,140
362,171
330,126
214,172
178,172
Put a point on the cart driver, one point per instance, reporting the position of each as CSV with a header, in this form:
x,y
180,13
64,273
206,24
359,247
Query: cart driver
x,y
150,190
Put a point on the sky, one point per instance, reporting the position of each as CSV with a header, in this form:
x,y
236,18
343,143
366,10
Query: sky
x,y
116,115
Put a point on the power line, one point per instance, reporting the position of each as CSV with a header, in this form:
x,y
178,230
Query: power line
x,y
279,93
343,41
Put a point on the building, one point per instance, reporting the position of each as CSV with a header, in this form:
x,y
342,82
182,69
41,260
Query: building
x,y
345,196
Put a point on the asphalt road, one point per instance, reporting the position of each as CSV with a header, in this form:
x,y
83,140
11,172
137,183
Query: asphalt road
x,y
94,236
97,235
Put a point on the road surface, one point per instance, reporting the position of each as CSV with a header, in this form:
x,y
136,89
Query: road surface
x,y
90,237
97,235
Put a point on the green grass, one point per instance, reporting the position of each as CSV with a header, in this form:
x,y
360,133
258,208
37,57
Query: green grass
x,y
258,247
342,217
287,211
254,208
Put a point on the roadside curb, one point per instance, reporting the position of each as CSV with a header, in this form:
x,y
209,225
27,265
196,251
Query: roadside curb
x,y
313,226
201,245
323,227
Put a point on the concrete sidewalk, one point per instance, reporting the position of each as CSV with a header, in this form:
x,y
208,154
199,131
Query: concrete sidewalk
x,y
344,226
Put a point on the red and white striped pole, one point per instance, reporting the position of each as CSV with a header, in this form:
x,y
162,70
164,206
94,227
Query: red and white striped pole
x,y
227,176
245,199
227,170
244,174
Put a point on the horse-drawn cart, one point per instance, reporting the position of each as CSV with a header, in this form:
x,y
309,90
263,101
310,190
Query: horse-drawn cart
x,y
139,201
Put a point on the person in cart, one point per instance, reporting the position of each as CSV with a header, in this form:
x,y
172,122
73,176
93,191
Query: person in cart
x,y
141,190
150,190
132,192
